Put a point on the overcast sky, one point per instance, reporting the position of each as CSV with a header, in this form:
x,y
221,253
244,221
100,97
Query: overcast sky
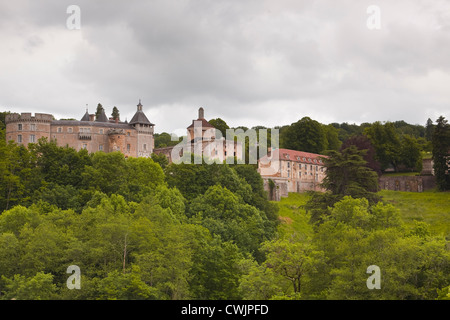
x,y
247,62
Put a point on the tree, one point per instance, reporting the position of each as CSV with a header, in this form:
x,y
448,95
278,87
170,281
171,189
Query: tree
x,y
304,135
99,111
161,159
38,287
363,143
385,140
294,260
441,157
429,129
332,135
347,175
165,140
220,125
115,113
410,155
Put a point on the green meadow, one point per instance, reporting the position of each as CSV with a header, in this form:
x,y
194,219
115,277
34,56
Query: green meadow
x,y
430,207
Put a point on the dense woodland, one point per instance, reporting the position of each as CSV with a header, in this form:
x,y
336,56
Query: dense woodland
x,y
144,229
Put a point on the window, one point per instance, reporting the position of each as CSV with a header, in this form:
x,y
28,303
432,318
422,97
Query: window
x,y
128,133
288,164
310,167
299,174
84,146
145,146
69,130
19,138
59,129
19,127
289,173
128,147
32,138
100,147
32,127
317,177
101,131
299,165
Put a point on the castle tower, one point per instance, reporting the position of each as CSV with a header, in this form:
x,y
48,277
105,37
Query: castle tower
x,y
205,125
24,128
145,141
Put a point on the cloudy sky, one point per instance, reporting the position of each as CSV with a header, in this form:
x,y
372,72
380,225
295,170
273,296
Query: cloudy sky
x,y
249,62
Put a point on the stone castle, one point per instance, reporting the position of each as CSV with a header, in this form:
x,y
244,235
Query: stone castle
x,y
133,139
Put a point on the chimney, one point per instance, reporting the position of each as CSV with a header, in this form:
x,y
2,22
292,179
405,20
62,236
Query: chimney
x,y
201,113
117,120
92,117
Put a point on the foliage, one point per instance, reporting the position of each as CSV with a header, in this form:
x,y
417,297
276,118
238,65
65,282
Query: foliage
x,y
347,175
115,113
363,143
220,125
441,149
305,135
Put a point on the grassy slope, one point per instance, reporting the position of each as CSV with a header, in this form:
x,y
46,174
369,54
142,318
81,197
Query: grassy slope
x,y
293,217
431,207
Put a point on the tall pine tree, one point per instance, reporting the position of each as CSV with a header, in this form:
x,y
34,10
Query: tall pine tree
x,y
441,153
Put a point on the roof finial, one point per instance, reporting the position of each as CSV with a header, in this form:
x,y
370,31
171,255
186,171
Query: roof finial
x,y
139,106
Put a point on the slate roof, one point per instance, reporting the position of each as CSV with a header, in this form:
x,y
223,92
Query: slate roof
x,y
102,117
205,124
85,117
298,156
140,118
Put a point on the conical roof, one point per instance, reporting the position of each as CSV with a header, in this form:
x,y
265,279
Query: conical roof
x,y
140,117
102,117
85,117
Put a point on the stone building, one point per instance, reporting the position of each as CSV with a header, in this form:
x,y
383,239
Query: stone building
x,y
285,171
134,138
201,139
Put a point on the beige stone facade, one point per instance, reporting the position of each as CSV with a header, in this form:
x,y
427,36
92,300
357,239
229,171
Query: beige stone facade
x,y
133,139
204,141
291,171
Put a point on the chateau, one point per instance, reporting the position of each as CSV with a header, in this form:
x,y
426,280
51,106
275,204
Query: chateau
x,y
203,134
291,171
133,139
296,171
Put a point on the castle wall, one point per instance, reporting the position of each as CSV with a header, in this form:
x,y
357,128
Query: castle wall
x,y
90,135
407,183
25,128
